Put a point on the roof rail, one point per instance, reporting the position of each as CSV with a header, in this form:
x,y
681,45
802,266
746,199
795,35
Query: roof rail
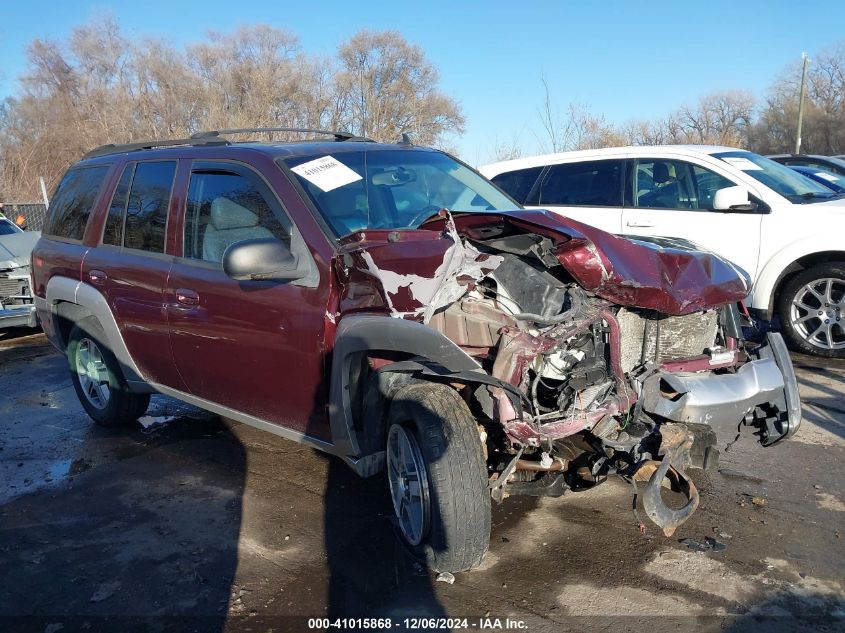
x,y
338,136
111,148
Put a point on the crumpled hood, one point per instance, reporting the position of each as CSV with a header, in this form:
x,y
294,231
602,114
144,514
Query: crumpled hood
x,y
16,249
413,272
670,276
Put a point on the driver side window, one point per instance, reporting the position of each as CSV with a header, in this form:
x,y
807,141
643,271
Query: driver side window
x,y
674,184
226,205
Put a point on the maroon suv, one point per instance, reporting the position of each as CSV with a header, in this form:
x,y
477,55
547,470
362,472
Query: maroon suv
x,y
388,305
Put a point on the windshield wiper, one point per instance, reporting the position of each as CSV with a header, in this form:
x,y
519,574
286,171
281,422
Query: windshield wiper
x,y
806,197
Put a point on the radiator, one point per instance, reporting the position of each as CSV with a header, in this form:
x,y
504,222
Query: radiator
x,y
649,336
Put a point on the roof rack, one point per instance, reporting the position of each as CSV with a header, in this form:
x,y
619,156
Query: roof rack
x,y
212,137
338,136
111,148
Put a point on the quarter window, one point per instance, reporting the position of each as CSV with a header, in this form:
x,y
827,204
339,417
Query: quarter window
x,y
146,209
589,184
113,233
226,205
73,201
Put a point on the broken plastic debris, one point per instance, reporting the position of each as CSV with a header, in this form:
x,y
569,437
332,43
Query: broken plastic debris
x,y
709,544
445,576
148,420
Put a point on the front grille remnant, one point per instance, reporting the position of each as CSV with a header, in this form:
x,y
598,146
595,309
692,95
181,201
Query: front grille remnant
x,y
649,336
11,287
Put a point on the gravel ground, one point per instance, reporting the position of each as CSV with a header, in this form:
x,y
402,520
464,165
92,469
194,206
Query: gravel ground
x,y
202,524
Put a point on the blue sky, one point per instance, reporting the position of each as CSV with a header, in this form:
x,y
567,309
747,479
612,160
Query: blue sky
x,y
623,59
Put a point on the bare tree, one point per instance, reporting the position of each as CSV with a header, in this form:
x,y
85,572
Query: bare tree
x,y
98,87
720,118
391,88
823,130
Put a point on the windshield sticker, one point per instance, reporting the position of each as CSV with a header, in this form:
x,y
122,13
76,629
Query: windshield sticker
x,y
327,173
826,176
742,163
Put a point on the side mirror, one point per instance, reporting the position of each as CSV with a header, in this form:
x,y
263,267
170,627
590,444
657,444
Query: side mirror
x,y
733,199
259,259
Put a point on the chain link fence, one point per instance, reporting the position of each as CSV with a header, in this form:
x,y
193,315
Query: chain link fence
x,y
34,214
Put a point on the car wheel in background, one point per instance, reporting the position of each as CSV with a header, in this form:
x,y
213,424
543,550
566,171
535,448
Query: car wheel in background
x,y
811,307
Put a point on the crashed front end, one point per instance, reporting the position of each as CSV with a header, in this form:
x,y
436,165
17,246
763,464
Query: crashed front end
x,y
608,355
16,303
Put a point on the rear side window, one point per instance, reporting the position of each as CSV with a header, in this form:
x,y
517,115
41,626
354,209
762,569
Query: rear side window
x,y
595,183
146,210
518,184
73,201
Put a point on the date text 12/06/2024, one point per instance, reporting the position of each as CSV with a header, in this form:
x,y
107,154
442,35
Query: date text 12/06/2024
x,y
446,624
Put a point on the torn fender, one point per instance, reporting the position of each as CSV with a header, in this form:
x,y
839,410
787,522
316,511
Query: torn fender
x,y
409,274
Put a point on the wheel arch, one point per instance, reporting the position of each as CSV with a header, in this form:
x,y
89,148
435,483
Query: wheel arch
x,y
71,301
788,262
428,356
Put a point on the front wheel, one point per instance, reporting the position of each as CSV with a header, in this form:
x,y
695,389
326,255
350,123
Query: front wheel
x,y
98,380
438,477
811,308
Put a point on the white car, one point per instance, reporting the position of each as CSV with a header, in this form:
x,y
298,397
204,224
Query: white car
x,y
786,231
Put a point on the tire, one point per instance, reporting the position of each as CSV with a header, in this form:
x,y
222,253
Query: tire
x,y
814,290
435,424
105,397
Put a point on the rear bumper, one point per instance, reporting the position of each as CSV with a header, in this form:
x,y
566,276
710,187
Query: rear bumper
x,y
18,316
762,393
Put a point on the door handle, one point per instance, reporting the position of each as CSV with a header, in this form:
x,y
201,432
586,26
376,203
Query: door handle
x,y
97,276
640,223
187,297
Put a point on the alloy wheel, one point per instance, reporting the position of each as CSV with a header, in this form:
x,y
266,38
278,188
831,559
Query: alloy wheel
x,y
408,480
817,311
93,374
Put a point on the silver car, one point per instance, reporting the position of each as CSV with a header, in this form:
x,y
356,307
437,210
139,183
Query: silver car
x,y
16,306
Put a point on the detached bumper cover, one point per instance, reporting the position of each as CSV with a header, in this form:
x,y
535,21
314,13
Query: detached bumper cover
x,y
762,393
18,316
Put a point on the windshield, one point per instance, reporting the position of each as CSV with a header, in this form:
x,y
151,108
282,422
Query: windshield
x,y
824,178
790,184
391,189
7,227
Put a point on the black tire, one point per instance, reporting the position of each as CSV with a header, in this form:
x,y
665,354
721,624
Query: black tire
x,y
797,334
457,535
122,406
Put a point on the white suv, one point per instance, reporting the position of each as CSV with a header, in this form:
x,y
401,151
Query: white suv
x,y
785,230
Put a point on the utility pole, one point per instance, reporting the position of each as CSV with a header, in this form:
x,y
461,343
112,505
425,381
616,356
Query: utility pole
x,y
44,192
801,101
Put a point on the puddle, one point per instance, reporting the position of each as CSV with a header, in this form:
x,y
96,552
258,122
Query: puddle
x,y
26,476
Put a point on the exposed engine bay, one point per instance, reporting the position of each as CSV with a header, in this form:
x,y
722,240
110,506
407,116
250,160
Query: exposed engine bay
x,y
581,363
595,372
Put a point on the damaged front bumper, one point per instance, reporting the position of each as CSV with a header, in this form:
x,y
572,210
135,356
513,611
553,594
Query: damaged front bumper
x,y
762,393
18,316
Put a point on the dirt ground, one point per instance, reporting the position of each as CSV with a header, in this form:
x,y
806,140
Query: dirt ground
x,y
202,524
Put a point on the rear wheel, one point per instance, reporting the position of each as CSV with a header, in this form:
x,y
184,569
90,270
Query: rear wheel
x,y
811,308
97,379
437,477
